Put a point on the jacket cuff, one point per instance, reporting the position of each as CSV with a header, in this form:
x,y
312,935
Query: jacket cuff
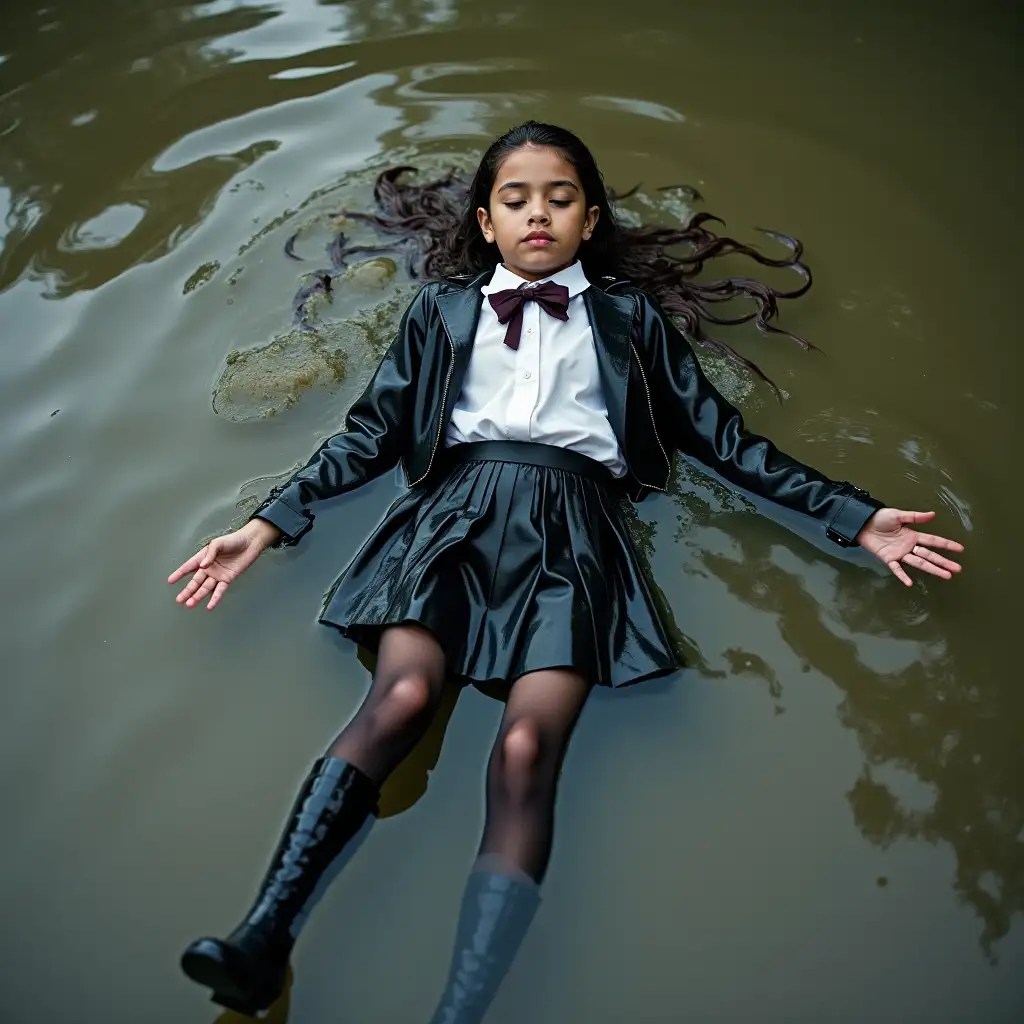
x,y
853,513
292,524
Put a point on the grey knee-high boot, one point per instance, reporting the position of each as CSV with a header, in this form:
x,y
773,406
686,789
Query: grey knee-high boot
x,y
497,910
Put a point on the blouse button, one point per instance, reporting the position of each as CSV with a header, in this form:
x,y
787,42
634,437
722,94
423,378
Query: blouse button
x,y
527,375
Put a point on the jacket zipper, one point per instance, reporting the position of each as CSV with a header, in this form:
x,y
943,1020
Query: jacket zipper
x,y
444,403
654,427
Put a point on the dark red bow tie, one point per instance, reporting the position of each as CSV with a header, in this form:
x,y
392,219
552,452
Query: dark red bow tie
x,y
552,298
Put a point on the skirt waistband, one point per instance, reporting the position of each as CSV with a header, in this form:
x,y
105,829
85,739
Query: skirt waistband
x,y
530,453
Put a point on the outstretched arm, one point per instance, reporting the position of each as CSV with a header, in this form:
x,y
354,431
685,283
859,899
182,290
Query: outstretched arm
x,y
371,442
702,423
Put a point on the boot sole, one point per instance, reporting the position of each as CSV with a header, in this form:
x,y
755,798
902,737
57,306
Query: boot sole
x,y
228,990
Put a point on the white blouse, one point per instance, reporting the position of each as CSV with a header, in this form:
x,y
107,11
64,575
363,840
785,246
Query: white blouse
x,y
548,390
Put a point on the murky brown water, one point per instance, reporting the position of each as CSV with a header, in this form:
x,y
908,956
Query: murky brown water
x,y
822,820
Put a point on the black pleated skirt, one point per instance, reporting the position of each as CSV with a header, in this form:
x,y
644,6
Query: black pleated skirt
x,y
517,558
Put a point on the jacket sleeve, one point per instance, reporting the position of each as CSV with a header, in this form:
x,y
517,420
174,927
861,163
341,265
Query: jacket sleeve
x,y
703,424
372,440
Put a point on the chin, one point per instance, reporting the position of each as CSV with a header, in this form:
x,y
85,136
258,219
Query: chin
x,y
540,263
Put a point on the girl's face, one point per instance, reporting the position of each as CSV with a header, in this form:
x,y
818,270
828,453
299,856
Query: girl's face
x,y
537,215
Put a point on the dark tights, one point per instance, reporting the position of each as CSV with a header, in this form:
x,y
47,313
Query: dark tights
x,y
403,698
522,776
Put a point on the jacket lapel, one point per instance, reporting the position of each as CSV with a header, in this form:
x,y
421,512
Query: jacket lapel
x,y
460,314
611,319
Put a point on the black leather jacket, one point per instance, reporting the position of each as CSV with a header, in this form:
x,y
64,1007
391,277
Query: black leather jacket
x,y
659,402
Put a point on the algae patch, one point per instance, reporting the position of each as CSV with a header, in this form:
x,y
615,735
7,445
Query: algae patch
x,y
200,276
260,382
371,275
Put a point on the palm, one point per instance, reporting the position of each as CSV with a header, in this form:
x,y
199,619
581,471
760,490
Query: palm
x,y
891,537
227,557
225,567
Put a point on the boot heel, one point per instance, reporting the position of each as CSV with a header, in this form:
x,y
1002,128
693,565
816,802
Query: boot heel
x,y
232,986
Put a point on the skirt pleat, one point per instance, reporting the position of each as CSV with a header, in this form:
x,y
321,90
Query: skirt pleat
x,y
514,568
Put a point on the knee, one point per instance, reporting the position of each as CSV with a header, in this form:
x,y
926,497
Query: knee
x,y
408,699
521,761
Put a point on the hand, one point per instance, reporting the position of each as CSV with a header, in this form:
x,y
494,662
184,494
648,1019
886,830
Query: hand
x,y
222,561
890,536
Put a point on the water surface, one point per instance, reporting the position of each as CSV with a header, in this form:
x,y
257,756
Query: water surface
x,y
821,819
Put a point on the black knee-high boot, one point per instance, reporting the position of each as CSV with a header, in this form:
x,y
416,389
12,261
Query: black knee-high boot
x,y
496,913
247,970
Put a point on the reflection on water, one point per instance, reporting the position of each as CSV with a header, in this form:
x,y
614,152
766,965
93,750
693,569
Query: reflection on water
x,y
80,164
155,159
277,1012
917,712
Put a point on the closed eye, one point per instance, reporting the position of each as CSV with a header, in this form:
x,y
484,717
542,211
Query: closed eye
x,y
515,204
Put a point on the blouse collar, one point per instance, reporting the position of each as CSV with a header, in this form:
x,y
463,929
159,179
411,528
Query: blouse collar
x,y
572,277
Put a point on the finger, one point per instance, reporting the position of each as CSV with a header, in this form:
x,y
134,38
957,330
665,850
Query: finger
x,y
212,550
936,559
897,570
191,587
186,567
916,517
919,563
218,593
196,582
207,588
935,541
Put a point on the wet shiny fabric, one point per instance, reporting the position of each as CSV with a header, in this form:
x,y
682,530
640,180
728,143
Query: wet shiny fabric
x,y
514,568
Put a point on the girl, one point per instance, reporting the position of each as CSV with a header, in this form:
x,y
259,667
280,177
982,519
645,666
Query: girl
x,y
523,397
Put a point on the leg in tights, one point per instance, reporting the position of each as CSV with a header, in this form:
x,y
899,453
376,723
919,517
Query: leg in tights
x,y
502,893
522,776
403,698
247,971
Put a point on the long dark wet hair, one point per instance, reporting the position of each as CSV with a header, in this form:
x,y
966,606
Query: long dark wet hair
x,y
435,224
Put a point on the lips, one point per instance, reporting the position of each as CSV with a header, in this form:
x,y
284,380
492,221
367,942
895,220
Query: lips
x,y
538,238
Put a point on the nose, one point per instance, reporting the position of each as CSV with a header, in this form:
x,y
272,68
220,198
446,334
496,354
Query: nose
x,y
538,212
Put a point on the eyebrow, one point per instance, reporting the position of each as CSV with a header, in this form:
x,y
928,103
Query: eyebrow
x,y
562,183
